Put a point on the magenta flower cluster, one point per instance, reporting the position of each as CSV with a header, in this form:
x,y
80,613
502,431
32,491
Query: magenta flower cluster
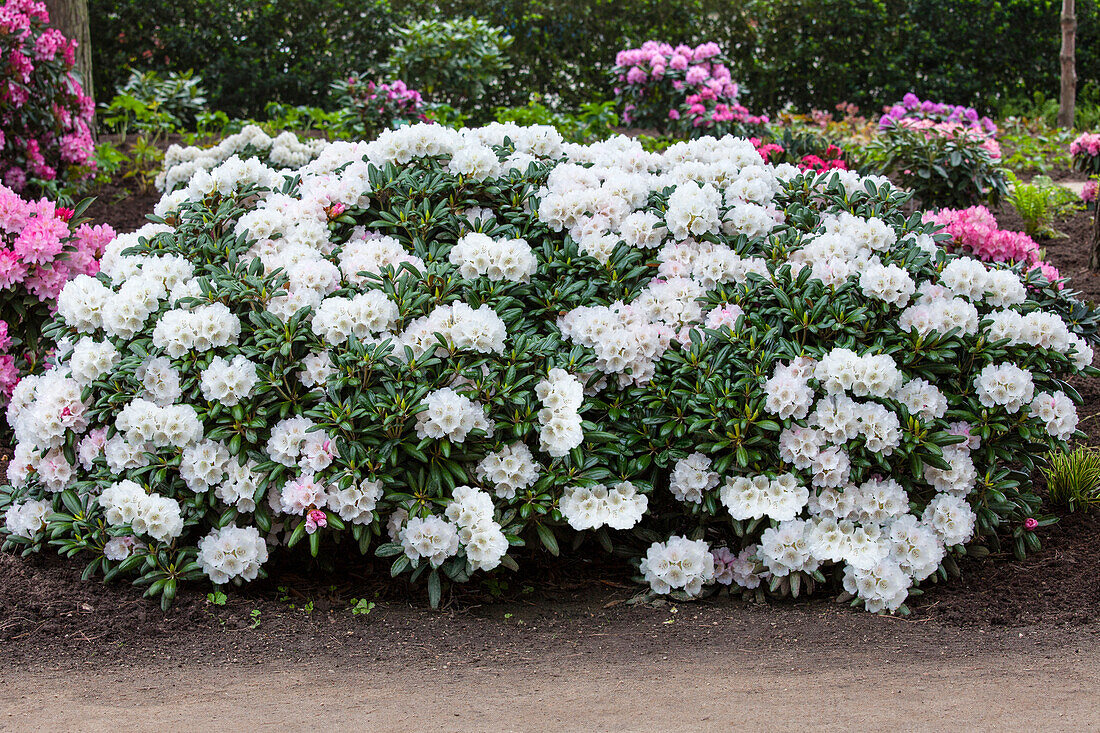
x,y
912,108
39,253
975,230
45,117
1086,152
380,106
685,89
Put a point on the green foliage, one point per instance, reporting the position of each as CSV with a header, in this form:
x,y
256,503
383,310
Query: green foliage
x,y
216,598
1029,144
455,62
593,122
1073,478
361,607
564,48
812,53
250,52
1039,203
179,95
953,172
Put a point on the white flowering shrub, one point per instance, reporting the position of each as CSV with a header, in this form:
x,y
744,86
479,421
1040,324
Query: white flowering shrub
x,y
284,151
443,346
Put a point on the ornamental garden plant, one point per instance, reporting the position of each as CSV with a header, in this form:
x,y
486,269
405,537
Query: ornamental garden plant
x,y
45,117
681,90
42,246
453,348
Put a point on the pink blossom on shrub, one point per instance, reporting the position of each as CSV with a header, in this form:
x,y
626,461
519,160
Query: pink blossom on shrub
x,y
1086,152
39,253
44,112
1088,142
912,108
975,231
688,90
1088,191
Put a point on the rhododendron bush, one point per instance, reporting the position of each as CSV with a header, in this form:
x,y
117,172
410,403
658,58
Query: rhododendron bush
x,y
284,151
684,90
1085,151
45,117
373,107
442,346
976,232
42,247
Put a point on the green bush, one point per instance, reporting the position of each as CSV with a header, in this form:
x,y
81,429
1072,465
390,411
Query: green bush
x,y
250,52
454,62
943,172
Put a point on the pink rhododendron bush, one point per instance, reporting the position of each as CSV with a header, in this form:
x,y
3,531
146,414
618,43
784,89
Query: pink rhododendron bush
x,y
684,90
45,116
455,348
942,120
975,231
40,250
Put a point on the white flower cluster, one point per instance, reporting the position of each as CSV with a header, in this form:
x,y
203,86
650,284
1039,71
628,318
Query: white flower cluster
x,y
679,564
284,150
142,421
295,442
592,507
431,538
202,329
691,478
508,470
561,395
357,502
626,341
232,553
28,518
463,329
448,414
149,514
362,316
497,259
780,498
472,511
1004,384
229,382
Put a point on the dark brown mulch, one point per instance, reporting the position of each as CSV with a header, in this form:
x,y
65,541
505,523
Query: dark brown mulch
x,y
118,204
1059,585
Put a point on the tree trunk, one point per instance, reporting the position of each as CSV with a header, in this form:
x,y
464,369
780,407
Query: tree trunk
x,y
71,18
1068,97
1094,258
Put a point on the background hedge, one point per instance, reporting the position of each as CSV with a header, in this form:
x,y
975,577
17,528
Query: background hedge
x,y
808,53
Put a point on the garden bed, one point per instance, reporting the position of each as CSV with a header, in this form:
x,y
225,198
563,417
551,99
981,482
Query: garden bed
x,y
52,619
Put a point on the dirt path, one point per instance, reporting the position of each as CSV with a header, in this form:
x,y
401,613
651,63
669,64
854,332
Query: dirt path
x,y
730,689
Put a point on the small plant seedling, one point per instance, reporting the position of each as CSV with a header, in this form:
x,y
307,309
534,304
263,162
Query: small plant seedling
x,y
361,607
255,618
496,587
282,594
308,607
216,598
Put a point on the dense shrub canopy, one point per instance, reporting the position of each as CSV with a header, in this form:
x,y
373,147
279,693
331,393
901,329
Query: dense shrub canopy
x,y
471,340
271,51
